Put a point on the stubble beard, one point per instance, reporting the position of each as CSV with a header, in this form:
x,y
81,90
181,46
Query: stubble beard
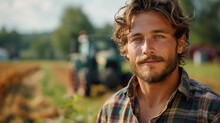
x,y
156,77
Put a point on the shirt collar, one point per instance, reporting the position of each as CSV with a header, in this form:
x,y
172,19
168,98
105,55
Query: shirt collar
x,y
183,87
132,84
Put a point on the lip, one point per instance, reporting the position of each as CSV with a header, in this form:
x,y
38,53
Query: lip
x,y
151,62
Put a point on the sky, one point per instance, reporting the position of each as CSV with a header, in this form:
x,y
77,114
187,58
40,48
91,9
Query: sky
x,y
29,16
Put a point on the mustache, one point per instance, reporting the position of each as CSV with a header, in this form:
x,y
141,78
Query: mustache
x,y
151,57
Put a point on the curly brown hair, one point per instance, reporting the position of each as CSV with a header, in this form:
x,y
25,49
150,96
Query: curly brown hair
x,y
169,8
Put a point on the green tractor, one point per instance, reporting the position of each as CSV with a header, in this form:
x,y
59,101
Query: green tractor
x,y
97,61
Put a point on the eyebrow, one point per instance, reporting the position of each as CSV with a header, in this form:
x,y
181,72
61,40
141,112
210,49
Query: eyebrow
x,y
154,31
133,35
160,31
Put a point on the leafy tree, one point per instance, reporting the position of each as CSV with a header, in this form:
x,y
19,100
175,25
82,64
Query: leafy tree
x,y
188,7
105,31
207,21
11,41
72,21
42,49
204,24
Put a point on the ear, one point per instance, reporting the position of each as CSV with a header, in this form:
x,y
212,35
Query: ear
x,y
127,56
126,52
181,43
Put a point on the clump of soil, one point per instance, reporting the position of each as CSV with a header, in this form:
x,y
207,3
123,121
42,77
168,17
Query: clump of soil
x,y
25,102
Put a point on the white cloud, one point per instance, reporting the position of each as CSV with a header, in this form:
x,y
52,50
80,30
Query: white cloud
x,y
44,15
47,5
28,15
102,12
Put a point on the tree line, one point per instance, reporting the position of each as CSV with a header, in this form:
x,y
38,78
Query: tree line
x,y
205,28
205,18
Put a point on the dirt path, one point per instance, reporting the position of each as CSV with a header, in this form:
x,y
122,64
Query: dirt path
x,y
62,73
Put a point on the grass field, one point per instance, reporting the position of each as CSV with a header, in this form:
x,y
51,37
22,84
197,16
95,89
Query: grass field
x,y
207,73
54,84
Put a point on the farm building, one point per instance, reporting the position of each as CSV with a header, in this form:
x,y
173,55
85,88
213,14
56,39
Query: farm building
x,y
4,55
204,53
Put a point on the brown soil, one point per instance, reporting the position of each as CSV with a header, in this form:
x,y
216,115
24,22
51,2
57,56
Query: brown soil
x,y
25,102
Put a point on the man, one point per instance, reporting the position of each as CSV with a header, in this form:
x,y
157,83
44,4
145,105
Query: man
x,y
153,36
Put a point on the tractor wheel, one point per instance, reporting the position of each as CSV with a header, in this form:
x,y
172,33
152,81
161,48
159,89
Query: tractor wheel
x,y
111,78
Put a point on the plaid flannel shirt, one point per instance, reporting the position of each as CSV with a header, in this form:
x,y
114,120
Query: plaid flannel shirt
x,y
191,102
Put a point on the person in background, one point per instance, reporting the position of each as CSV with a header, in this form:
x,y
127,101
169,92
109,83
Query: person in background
x,y
79,59
154,37
84,44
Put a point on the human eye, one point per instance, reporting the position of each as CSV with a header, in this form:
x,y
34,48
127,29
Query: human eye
x,y
137,39
159,36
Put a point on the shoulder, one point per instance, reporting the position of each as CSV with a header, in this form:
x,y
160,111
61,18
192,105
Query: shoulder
x,y
200,90
206,98
192,88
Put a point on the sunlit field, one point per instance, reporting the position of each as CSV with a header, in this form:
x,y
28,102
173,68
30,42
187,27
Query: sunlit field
x,y
40,93
207,73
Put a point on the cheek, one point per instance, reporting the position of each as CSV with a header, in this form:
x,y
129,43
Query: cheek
x,y
166,49
132,52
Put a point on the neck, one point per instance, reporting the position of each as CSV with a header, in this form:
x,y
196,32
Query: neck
x,y
157,93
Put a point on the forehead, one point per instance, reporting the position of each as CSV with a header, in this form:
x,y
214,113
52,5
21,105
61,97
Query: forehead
x,y
150,20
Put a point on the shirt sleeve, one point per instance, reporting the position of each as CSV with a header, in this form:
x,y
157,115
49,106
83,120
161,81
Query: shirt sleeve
x,y
101,118
216,119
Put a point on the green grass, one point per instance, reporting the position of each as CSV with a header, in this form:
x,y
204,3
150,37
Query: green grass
x,y
207,73
205,70
51,85
87,108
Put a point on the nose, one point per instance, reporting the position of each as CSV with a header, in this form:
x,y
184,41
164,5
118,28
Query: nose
x,y
148,47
